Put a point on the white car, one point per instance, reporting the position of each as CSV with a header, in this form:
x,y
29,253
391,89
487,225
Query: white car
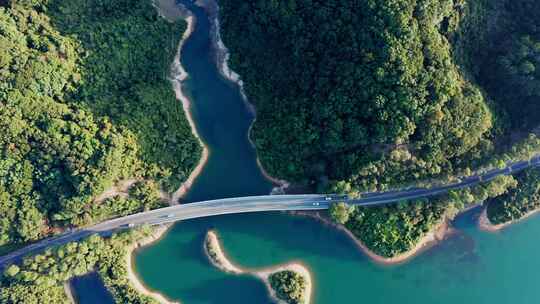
x,y
328,198
316,204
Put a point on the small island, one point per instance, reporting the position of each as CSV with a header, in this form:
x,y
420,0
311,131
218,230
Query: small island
x,y
289,286
289,283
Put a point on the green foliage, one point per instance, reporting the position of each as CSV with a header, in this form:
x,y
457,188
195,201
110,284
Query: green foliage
x,y
85,102
518,201
147,193
289,286
356,91
127,50
40,278
339,212
395,229
508,59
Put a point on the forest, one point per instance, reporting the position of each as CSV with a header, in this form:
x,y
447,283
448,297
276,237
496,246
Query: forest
x,y
376,107
356,96
397,228
519,201
42,276
85,102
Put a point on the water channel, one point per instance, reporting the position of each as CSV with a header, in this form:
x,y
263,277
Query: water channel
x,y
470,267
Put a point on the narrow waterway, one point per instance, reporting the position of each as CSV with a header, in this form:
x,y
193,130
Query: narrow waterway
x,y
470,267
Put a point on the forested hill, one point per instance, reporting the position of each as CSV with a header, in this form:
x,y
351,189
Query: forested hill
x,y
361,91
367,95
85,102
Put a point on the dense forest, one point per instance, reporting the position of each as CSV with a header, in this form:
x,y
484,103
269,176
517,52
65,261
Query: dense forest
x,y
508,60
40,279
357,96
85,101
365,92
518,201
397,228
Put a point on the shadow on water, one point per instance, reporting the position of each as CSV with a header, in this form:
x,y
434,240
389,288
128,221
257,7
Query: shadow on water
x,y
89,289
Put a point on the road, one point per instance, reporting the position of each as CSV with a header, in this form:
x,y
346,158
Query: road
x,y
254,204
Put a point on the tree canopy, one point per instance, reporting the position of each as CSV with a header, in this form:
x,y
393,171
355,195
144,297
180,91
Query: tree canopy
x,y
362,91
85,101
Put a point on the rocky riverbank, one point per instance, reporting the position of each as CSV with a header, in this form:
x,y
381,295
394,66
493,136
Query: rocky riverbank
x,y
222,61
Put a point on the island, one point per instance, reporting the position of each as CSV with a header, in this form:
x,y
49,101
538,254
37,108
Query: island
x,y
289,283
289,286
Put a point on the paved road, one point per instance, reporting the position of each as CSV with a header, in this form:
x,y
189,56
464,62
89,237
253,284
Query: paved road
x,y
254,204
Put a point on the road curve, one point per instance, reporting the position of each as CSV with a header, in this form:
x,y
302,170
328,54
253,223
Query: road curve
x,y
253,204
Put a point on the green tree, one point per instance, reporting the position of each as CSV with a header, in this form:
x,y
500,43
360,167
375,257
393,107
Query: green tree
x,y
339,212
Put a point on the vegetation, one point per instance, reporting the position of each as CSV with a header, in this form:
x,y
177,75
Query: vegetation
x,y
42,276
85,102
356,91
518,201
339,212
356,96
397,228
289,286
508,61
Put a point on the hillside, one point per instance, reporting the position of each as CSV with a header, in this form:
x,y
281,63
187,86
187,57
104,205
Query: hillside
x,y
85,102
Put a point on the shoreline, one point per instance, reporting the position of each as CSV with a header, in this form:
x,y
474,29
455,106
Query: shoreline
x,y
170,11
68,290
215,254
432,238
132,276
222,61
485,224
178,75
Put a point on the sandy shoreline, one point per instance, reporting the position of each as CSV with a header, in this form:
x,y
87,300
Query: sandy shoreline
x,y
178,75
433,237
68,290
485,224
222,61
132,277
217,257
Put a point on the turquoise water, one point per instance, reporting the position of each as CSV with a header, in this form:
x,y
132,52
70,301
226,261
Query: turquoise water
x,y
470,267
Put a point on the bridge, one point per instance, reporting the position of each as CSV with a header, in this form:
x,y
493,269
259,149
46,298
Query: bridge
x,y
304,202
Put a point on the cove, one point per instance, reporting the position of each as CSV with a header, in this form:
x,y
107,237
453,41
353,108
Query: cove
x,y
470,267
